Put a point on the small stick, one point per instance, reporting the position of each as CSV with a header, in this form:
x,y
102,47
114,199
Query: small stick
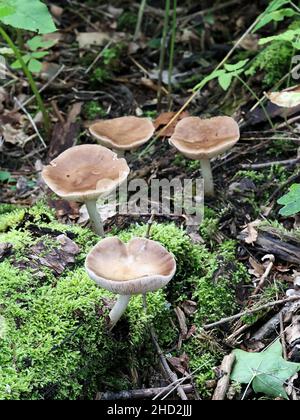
x,y
150,224
266,273
250,312
22,107
223,383
282,336
140,20
140,394
268,164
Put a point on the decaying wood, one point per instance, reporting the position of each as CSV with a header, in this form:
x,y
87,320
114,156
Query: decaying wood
x,y
293,338
140,394
224,381
272,326
284,245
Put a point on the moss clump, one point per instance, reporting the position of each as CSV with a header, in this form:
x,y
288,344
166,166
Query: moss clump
x,y
274,60
93,110
55,342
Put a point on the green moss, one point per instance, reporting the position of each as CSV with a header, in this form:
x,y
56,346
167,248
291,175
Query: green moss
x,y
93,110
210,225
56,344
274,60
10,219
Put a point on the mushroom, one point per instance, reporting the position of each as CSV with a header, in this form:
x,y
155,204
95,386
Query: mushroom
x,y
204,139
138,267
123,134
287,98
84,174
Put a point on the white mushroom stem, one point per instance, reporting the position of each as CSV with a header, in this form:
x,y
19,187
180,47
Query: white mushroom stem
x,y
95,217
119,309
209,190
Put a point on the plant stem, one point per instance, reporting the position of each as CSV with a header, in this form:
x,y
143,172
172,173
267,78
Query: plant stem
x,y
95,217
118,309
209,189
258,99
140,20
172,51
31,81
163,51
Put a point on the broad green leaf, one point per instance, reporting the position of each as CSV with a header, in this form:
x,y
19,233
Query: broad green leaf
x,y
225,80
237,66
6,8
39,54
32,15
266,371
39,43
5,176
276,16
291,201
35,66
6,51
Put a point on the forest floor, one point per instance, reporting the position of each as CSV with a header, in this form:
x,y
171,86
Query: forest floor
x,y
107,75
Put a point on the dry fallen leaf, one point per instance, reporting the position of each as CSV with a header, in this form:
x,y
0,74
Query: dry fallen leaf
x,y
13,136
251,232
87,39
164,119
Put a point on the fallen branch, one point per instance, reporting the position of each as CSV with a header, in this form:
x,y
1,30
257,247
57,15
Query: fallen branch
x,y
224,381
140,394
250,312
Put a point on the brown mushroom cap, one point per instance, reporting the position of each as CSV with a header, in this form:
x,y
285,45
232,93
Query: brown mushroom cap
x,y
198,139
125,133
85,172
287,98
140,266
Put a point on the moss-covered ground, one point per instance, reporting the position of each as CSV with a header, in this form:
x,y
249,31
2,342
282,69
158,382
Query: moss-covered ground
x,y
54,342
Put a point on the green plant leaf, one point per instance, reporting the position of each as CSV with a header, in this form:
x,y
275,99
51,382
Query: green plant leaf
x,y
31,15
266,371
225,80
288,36
275,16
35,66
6,8
39,43
237,66
5,176
212,76
276,4
291,201
16,65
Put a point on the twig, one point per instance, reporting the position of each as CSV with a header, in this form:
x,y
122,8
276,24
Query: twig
x,y
266,273
50,81
31,122
223,383
250,312
282,336
268,164
139,394
98,58
150,224
140,19
170,374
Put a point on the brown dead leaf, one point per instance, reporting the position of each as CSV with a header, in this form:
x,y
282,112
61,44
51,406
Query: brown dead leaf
x,y
180,364
65,134
65,208
251,232
257,269
189,307
164,119
56,258
13,135
88,39
288,98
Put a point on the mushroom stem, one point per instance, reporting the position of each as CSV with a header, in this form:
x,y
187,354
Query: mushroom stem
x,y
209,190
119,309
95,217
